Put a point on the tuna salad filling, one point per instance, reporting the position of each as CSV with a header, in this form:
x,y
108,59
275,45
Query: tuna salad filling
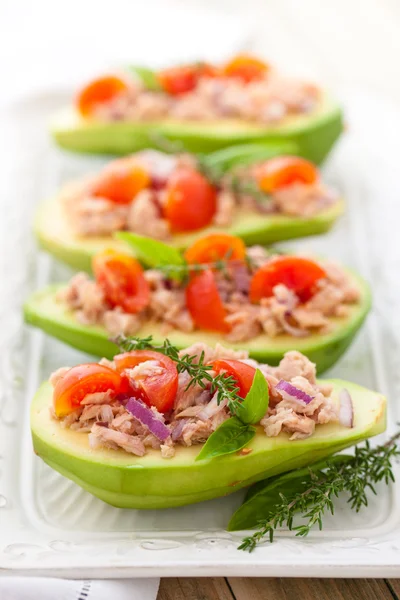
x,y
158,195
253,293
145,400
245,89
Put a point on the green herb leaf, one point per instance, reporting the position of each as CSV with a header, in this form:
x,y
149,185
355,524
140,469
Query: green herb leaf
x,y
245,154
231,435
147,76
153,252
255,405
225,387
311,494
263,497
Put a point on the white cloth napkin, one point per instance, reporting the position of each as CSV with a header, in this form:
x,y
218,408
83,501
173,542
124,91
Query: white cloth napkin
x,y
32,588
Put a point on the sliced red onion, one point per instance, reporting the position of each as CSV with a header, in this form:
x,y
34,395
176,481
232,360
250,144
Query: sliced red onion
x,y
161,164
178,428
291,392
241,277
346,409
147,418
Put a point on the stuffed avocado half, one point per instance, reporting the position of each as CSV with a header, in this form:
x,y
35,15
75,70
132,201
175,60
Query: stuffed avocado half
x,y
263,303
141,449
254,192
199,110
312,136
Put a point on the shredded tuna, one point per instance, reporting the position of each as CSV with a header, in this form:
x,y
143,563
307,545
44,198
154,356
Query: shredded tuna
x,y
118,322
267,100
225,209
58,375
91,215
196,412
97,398
295,364
286,419
282,313
107,436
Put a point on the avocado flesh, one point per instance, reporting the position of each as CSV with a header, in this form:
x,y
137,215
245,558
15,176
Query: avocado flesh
x,y
152,482
56,236
313,135
43,311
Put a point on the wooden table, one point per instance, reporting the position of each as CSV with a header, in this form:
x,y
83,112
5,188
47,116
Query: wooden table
x,y
278,589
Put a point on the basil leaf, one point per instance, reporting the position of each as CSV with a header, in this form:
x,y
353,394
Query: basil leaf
x,y
263,497
230,436
147,76
255,405
245,154
152,252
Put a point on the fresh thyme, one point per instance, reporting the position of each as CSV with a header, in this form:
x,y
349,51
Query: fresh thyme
x,y
225,386
184,271
247,186
361,472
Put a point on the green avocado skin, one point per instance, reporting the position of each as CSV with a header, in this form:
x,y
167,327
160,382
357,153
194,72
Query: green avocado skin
x,y
56,237
151,482
313,137
43,311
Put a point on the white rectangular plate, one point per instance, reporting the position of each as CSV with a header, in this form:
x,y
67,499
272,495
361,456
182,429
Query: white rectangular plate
x,y
48,525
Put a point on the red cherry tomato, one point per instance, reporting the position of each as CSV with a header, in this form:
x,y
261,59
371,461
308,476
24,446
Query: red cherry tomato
x,y
298,274
183,79
214,247
282,171
157,390
122,180
191,201
242,373
98,92
204,302
246,67
81,380
122,280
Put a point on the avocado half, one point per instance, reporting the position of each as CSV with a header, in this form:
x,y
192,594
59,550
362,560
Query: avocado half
x,y
127,481
56,236
43,311
313,135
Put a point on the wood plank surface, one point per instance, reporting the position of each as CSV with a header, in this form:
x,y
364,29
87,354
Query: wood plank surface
x,y
309,589
278,589
194,588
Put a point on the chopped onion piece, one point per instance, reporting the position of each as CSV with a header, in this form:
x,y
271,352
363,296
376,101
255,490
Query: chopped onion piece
x,y
143,414
346,409
291,392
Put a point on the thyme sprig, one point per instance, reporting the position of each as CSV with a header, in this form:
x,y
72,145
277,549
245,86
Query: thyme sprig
x,y
238,184
223,265
361,472
215,174
199,372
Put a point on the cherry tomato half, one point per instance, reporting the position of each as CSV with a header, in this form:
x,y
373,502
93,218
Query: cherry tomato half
x,y
246,67
98,92
122,180
214,247
122,280
157,390
242,373
191,200
298,274
89,378
183,79
204,302
282,171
